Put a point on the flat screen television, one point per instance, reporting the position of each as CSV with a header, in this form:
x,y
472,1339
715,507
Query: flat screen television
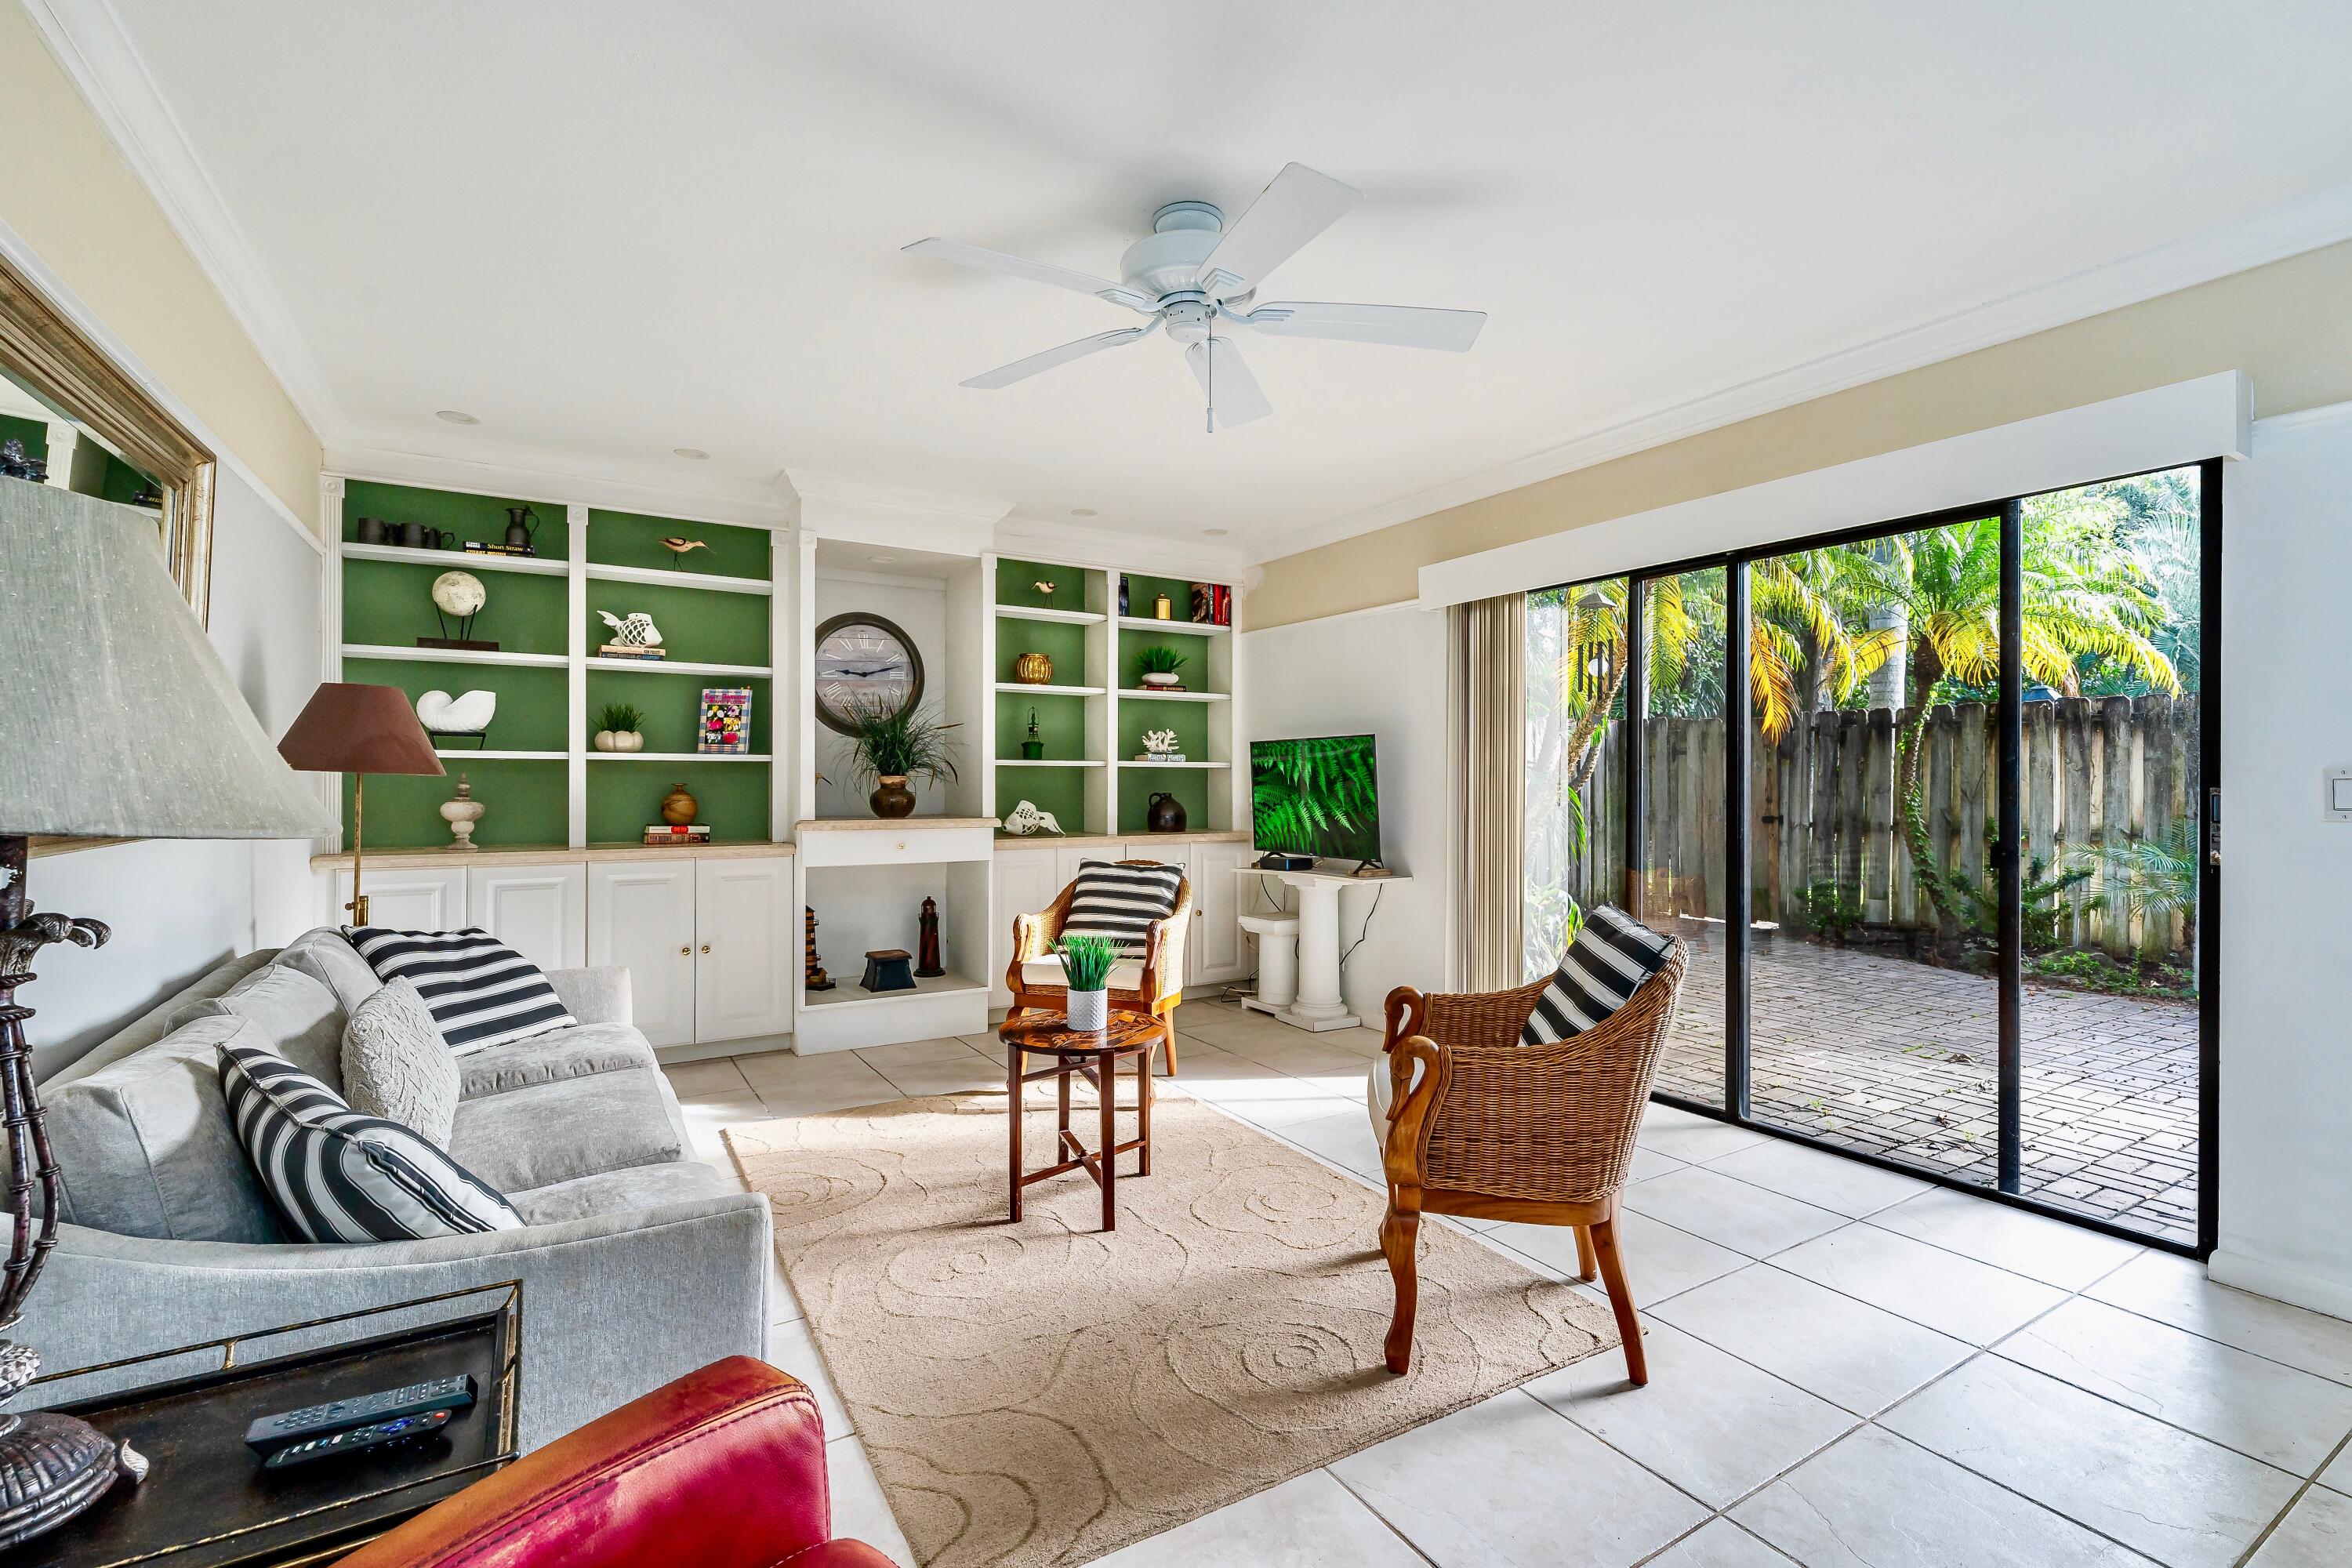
x,y
1319,796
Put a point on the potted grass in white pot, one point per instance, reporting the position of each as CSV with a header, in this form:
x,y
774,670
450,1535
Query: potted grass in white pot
x,y
1086,965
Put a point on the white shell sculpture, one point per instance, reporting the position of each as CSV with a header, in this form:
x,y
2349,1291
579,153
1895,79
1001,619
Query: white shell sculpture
x,y
1026,819
1159,741
459,592
637,631
447,715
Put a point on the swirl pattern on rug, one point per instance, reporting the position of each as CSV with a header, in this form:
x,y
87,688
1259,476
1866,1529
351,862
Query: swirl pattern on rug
x,y
1042,1393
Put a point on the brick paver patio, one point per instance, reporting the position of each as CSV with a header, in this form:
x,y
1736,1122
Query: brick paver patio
x,y
1898,1058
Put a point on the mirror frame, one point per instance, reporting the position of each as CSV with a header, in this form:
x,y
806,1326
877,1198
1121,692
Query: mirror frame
x,y
58,360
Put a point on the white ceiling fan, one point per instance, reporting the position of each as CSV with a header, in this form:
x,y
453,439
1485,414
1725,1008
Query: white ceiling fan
x,y
1195,271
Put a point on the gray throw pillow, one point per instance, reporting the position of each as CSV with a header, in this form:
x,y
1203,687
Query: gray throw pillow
x,y
395,1066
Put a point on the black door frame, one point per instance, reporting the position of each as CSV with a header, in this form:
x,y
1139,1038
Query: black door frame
x,y
2009,861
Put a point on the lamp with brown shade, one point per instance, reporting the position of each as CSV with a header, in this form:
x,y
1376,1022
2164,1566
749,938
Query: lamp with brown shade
x,y
358,729
117,721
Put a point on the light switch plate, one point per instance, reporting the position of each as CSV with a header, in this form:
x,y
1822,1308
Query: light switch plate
x,y
2336,794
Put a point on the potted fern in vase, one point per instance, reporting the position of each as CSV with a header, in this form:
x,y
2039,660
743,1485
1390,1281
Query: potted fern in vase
x,y
1159,667
1086,965
892,745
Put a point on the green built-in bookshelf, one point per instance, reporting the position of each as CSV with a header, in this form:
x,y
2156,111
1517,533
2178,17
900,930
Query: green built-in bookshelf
x,y
713,604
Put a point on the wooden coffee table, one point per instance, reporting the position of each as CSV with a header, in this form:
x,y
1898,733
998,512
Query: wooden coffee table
x,y
1095,1053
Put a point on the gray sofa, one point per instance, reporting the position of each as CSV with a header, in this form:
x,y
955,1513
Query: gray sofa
x,y
639,1263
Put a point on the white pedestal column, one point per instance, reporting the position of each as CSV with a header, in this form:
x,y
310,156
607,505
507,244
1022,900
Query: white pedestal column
x,y
1320,1006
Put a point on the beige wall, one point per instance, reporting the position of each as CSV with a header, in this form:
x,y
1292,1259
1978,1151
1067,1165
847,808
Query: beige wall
x,y
2288,325
70,196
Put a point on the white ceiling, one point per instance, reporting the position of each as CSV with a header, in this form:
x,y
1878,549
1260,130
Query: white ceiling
x,y
609,229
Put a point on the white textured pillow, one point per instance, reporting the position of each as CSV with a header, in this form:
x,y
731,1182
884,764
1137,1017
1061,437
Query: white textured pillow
x,y
395,1066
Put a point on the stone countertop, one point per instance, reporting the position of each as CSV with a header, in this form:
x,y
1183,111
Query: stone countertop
x,y
553,854
1112,840
886,823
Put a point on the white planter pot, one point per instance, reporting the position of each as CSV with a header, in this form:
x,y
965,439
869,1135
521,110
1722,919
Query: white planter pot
x,y
604,741
628,740
1088,1009
1168,680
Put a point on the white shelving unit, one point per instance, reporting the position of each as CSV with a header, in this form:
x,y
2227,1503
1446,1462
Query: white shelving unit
x,y
1023,688
680,666
676,756
452,655
1037,613
1161,694
661,578
458,559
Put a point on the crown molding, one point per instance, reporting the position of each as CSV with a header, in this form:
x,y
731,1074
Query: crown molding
x,y
2305,224
92,44
1060,542
531,476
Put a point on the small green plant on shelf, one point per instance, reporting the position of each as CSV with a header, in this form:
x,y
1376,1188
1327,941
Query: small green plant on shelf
x,y
617,728
1160,666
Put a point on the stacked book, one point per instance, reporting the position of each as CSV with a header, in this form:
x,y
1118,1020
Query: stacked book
x,y
692,833
632,650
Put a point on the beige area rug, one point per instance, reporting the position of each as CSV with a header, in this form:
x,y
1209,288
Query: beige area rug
x,y
1042,1393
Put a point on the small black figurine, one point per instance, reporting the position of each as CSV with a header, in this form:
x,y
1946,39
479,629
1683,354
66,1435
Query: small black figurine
x,y
926,943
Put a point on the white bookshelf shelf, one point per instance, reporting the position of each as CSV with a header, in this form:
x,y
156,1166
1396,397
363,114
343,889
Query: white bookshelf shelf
x,y
847,992
1022,686
663,578
1148,694
1183,628
455,754
1166,767
680,667
451,655
679,757
458,559
1047,763
1067,617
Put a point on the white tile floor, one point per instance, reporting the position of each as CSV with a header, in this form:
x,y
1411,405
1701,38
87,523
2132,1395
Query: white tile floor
x,y
1847,1367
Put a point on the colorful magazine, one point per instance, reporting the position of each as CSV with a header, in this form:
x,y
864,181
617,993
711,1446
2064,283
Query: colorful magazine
x,y
726,728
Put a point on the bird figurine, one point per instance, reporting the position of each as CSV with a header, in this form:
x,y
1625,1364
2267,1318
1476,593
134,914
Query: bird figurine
x,y
677,545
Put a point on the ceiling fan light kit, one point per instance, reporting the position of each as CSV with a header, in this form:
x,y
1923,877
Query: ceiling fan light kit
x,y
1193,270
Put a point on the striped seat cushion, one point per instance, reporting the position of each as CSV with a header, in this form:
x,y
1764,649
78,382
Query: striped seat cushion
x,y
338,1176
1121,902
1602,968
482,992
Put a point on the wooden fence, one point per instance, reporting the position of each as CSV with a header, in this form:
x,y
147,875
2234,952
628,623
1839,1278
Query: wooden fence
x,y
1824,810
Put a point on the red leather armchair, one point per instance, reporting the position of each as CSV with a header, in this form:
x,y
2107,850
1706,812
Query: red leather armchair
x,y
723,1468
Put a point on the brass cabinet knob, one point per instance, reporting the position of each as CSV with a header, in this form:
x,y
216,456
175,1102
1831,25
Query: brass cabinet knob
x,y
706,947
685,952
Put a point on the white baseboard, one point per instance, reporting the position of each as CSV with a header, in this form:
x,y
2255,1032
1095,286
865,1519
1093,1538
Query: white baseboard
x,y
711,1051
2296,1287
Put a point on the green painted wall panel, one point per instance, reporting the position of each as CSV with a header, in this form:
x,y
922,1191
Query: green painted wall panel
x,y
1193,673
672,705
525,800
391,601
33,433
632,538
1060,724
625,798
482,519
1016,583
1065,644
1062,791
529,718
1136,714
708,626
1137,786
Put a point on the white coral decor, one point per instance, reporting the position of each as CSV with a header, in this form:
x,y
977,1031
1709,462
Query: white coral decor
x,y
1159,742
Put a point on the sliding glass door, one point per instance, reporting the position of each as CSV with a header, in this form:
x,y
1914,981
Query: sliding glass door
x,y
1926,804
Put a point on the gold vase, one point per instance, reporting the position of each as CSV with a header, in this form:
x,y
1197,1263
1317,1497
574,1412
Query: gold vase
x,y
1034,669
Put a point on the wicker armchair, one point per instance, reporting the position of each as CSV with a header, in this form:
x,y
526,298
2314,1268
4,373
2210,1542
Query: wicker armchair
x,y
1159,991
1486,1128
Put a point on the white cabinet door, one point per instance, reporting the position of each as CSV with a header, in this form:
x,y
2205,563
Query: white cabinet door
x,y
1027,881
405,898
641,916
540,911
745,968
1067,861
1215,951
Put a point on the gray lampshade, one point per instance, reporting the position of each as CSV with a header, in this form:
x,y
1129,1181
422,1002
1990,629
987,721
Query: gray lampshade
x,y
117,718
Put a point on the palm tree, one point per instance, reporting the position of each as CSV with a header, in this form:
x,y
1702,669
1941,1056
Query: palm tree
x,y
2081,601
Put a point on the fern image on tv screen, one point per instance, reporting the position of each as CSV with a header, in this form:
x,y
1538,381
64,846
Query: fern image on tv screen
x,y
1319,797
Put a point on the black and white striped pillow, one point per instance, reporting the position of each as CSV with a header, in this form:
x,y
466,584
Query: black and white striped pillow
x,y
336,1175
1602,968
1121,902
482,992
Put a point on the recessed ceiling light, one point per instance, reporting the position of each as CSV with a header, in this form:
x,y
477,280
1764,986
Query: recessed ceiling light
x,y
456,416
694,453
1082,512
1214,532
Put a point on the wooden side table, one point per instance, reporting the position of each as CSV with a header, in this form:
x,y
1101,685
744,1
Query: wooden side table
x,y
1095,1053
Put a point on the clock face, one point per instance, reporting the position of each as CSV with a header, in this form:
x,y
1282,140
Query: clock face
x,y
865,664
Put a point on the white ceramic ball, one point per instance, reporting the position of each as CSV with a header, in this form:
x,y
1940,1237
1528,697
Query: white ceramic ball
x,y
459,592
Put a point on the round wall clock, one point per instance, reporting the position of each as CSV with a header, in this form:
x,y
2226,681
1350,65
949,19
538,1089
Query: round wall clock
x,y
865,664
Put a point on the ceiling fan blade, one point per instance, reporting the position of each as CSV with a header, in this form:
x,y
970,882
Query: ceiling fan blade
x,y
1405,326
987,261
1234,395
1023,369
1297,206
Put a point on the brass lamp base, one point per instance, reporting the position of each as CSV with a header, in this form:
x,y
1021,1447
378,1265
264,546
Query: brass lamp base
x,y
51,1466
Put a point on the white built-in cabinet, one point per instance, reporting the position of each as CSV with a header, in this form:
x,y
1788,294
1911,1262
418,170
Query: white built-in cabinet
x,y
405,898
641,919
540,911
1027,879
710,950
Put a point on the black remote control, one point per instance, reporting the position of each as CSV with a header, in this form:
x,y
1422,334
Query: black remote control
x,y
270,1433
353,1438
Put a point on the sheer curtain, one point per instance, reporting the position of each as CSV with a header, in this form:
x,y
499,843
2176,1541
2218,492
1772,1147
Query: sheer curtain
x,y
1487,752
